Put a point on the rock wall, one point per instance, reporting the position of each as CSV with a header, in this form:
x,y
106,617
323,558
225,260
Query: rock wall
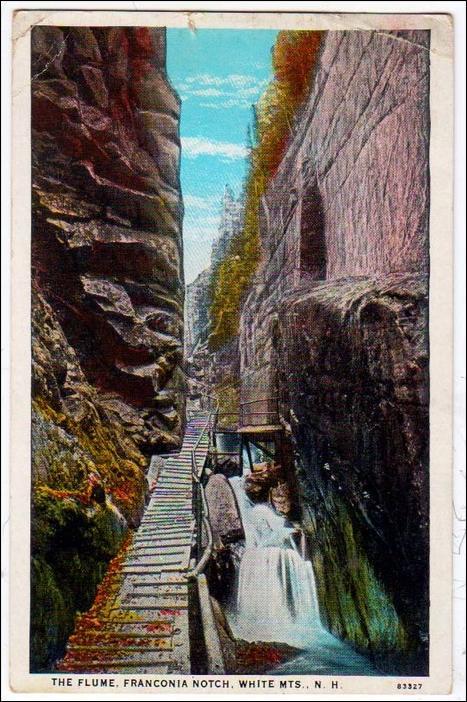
x,y
230,225
351,196
212,373
107,305
197,312
336,326
107,216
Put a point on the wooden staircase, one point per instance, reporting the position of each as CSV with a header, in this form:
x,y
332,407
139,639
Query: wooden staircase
x,y
141,624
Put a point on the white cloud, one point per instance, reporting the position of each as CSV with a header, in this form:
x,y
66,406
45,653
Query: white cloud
x,y
227,104
231,79
207,92
234,90
200,203
207,224
192,147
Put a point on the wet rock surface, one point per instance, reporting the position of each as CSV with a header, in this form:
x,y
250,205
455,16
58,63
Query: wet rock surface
x,y
223,511
262,478
281,498
359,417
244,657
228,535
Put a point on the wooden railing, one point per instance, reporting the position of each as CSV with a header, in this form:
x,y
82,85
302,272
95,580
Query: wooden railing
x,y
264,411
266,415
200,505
214,655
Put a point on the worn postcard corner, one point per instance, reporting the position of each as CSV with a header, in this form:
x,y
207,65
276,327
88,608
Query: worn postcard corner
x,y
231,321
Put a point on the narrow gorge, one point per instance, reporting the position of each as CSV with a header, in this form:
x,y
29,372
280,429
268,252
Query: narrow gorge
x,y
333,322
296,363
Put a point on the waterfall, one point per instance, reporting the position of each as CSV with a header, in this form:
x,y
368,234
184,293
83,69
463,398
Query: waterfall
x,y
276,592
276,597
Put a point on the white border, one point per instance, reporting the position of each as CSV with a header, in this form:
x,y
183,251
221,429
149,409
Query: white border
x,y
455,8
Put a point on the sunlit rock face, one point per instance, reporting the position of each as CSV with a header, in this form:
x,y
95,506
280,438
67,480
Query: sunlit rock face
x,y
107,214
197,312
212,372
336,326
230,225
107,305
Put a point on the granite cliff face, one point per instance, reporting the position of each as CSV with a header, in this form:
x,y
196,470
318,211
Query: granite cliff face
x,y
351,195
230,225
107,304
208,370
107,216
336,326
197,312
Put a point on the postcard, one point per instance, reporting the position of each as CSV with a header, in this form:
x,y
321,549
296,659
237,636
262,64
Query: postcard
x,y
232,342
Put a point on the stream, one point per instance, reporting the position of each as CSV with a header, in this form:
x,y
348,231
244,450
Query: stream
x,y
276,598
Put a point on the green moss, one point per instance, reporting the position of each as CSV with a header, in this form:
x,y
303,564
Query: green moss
x,y
66,451
52,619
72,545
228,397
353,602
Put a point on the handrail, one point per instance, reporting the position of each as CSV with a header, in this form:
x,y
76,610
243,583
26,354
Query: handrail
x,y
268,414
207,553
197,476
259,399
214,654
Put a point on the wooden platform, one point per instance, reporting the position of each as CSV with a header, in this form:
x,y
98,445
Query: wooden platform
x,y
260,429
143,626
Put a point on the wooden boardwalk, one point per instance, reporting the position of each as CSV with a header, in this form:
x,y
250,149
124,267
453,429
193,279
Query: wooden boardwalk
x,y
142,626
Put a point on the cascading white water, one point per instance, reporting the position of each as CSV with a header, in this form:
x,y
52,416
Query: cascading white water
x,y
276,597
276,593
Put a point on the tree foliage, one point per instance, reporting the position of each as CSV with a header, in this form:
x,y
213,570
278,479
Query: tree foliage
x,y
294,58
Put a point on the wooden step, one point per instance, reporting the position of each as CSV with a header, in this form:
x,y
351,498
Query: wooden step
x,y
168,524
162,580
170,543
156,661
162,551
163,528
146,644
155,558
153,570
156,527
134,589
117,631
149,604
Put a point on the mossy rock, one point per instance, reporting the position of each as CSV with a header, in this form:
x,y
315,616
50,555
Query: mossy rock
x,y
72,544
354,603
52,617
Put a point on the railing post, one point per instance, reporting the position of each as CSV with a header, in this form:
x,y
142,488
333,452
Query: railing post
x,y
215,659
199,522
201,509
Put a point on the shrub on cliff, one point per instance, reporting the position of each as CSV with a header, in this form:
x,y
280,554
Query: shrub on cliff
x,y
294,58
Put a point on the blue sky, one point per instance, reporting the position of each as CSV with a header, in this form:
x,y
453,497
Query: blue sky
x,y
219,74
